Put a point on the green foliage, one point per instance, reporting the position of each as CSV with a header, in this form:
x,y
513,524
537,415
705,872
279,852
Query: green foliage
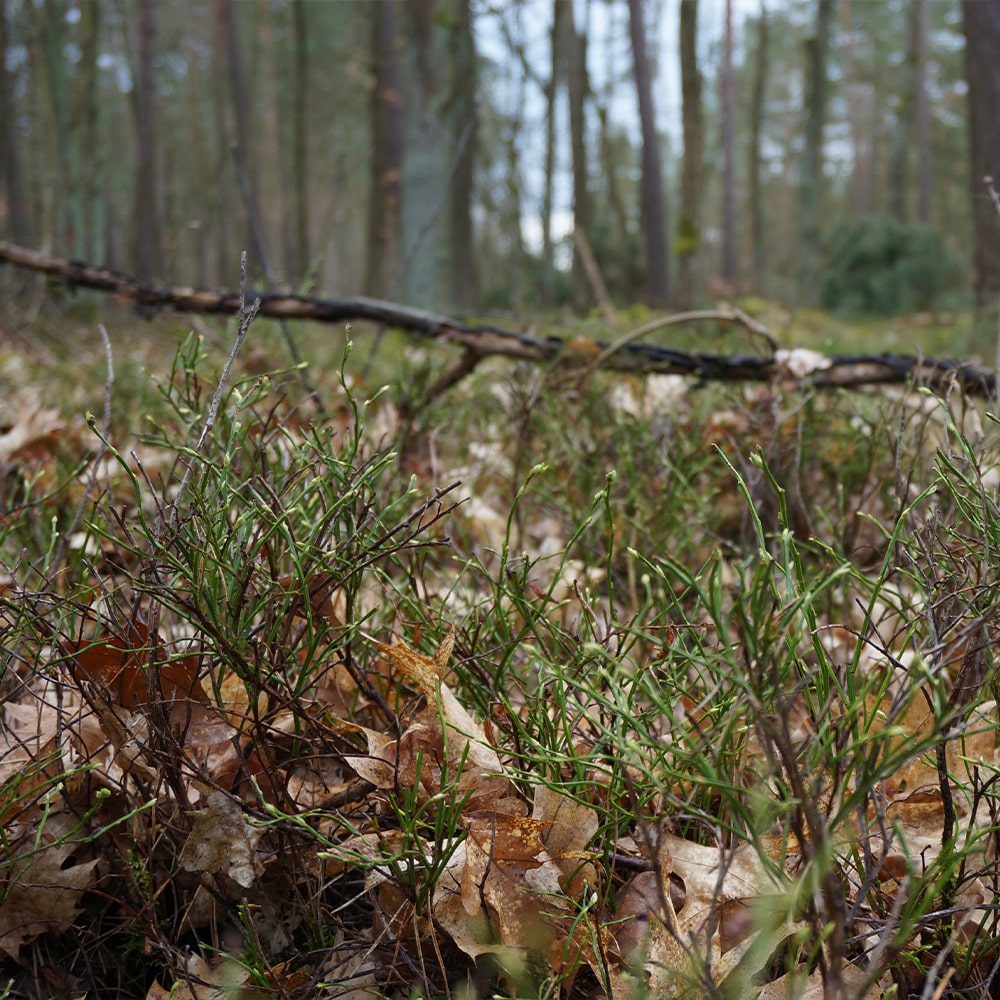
x,y
704,618
880,266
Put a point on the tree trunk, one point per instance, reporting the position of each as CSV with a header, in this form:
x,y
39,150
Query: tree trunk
x,y
578,86
300,142
925,170
692,166
425,167
384,205
225,207
902,137
63,211
10,161
759,89
461,112
624,268
811,180
852,110
556,49
981,23
86,117
240,104
654,207
729,251
146,247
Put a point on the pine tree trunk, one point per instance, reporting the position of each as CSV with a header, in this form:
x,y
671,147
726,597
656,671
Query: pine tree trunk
x,y
811,180
300,142
556,48
756,165
387,125
10,160
925,169
240,104
654,207
462,119
729,250
981,22
147,245
692,165
577,91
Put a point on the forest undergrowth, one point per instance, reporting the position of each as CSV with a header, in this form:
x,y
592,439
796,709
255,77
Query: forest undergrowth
x,y
560,684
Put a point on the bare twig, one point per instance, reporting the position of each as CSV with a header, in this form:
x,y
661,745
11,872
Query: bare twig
x,y
257,233
247,315
695,316
593,272
844,371
992,192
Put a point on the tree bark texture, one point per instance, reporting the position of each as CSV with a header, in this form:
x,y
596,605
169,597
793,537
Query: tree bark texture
x,y
578,87
239,97
302,254
556,73
10,148
483,340
811,179
385,194
654,206
85,115
756,155
981,23
462,116
925,159
146,250
730,256
692,164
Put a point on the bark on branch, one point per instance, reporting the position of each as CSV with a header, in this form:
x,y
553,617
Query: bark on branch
x,y
842,371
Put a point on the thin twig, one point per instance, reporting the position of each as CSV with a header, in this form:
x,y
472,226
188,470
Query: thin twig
x,y
247,315
257,232
695,316
992,192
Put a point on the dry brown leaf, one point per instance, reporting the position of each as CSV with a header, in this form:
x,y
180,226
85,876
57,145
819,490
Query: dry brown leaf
x,y
221,841
350,968
381,766
117,666
709,913
571,827
201,981
471,932
27,765
235,702
36,433
501,893
210,742
42,881
799,986
443,734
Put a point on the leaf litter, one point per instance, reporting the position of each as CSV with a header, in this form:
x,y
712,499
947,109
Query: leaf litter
x,y
149,766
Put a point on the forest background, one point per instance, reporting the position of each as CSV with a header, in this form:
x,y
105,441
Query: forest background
x,y
463,155
521,678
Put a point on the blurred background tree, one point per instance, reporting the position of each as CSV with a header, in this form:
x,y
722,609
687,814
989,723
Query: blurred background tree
x,y
445,152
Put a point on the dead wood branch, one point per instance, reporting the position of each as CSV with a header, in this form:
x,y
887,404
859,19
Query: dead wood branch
x,y
847,371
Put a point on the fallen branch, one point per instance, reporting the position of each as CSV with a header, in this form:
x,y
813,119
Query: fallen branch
x,y
845,371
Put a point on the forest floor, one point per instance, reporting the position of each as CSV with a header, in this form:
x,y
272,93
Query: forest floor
x,y
555,684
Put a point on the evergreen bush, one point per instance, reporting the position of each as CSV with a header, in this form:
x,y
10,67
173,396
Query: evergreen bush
x,y
879,266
